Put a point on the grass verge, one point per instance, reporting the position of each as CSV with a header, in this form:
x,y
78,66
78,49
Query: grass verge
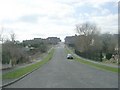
x,y
22,71
104,67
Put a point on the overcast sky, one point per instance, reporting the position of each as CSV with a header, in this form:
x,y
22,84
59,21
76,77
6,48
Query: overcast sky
x,y
43,18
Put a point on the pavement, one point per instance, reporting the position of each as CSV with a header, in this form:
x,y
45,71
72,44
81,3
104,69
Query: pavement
x,y
60,72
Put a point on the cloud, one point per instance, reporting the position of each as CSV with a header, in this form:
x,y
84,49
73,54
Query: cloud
x,y
43,18
29,18
107,23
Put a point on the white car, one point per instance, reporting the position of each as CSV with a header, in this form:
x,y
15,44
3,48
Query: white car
x,y
69,56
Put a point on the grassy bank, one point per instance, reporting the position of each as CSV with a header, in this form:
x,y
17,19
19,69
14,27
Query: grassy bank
x,y
99,66
22,71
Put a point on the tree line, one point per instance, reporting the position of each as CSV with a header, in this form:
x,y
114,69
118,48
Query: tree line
x,y
91,44
16,52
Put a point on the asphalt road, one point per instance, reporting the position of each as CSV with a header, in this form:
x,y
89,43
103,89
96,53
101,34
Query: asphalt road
x,y
63,73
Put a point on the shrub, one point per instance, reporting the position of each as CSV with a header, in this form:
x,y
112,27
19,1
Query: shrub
x,y
93,55
13,52
108,56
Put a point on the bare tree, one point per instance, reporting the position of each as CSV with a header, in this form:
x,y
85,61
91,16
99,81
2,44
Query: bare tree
x,y
13,36
86,29
87,32
1,34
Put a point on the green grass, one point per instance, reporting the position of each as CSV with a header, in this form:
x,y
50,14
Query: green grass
x,y
112,69
22,71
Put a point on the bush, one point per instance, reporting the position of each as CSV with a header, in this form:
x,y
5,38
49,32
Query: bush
x,y
5,57
13,52
96,56
108,56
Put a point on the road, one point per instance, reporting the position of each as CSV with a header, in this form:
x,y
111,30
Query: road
x,y
62,73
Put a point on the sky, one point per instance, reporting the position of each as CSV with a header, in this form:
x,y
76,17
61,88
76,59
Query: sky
x,y
30,19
